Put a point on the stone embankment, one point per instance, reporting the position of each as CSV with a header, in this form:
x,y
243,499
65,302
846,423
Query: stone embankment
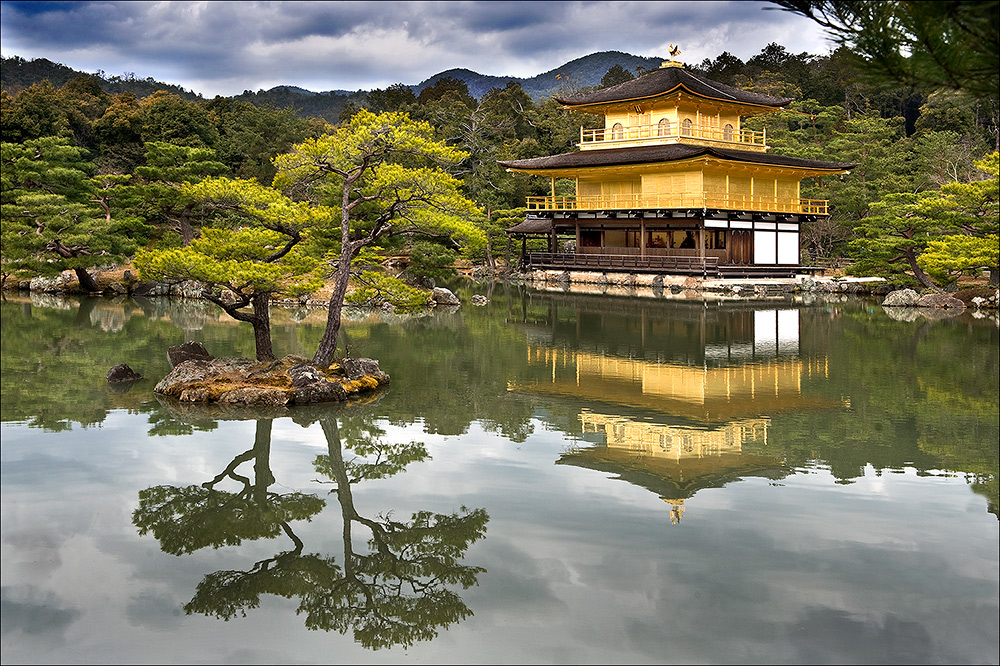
x,y
611,284
667,286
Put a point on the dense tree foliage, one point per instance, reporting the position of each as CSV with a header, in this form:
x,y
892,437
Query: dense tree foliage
x,y
143,145
381,171
255,257
952,45
50,222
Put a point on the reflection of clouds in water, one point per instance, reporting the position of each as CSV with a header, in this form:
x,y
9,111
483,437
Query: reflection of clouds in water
x,y
32,554
826,635
155,610
577,563
28,610
516,585
759,567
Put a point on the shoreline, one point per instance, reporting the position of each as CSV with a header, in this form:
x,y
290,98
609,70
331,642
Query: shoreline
x,y
120,281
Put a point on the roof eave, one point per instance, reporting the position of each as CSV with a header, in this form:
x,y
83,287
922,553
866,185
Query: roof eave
x,y
680,86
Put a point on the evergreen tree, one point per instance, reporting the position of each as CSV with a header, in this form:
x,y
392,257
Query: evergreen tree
x,y
159,186
259,256
382,172
50,222
952,45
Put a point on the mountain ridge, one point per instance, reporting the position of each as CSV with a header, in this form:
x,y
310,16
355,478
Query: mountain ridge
x,y
586,70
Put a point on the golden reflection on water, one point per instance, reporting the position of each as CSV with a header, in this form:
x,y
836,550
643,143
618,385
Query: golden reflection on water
x,y
676,428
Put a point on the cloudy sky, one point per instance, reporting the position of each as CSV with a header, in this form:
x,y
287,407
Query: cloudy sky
x,y
224,48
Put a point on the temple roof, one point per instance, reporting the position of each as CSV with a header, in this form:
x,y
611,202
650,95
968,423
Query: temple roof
x,y
532,225
667,80
666,153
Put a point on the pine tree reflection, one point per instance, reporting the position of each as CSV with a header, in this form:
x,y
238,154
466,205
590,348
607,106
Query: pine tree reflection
x,y
397,593
185,519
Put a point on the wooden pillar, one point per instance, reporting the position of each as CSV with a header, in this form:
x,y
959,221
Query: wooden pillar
x,y
642,237
577,237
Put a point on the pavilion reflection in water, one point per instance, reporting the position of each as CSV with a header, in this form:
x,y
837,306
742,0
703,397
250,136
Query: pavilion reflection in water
x,y
675,428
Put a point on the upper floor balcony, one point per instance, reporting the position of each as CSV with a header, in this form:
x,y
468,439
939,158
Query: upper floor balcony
x,y
664,131
720,201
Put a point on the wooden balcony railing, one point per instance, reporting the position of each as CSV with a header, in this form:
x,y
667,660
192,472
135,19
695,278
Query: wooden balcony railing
x,y
758,203
650,133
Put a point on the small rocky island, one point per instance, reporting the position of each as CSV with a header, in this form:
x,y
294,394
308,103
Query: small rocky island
x,y
198,377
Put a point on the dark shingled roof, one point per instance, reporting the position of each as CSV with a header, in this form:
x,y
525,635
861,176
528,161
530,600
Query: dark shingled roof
x,y
665,153
666,80
532,225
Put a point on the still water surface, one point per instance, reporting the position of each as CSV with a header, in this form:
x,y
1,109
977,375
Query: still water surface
x,y
549,478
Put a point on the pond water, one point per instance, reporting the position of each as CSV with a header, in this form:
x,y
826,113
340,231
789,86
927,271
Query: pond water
x,y
549,478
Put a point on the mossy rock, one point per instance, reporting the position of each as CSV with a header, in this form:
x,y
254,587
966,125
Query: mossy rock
x,y
291,380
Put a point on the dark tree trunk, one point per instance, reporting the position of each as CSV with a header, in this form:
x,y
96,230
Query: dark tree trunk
x,y
331,430
184,224
328,343
263,477
259,318
87,282
261,323
922,277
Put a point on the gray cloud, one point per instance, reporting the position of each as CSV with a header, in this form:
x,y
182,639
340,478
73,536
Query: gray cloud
x,y
227,47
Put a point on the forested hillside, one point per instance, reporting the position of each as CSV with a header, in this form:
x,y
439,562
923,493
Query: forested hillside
x,y
16,74
19,73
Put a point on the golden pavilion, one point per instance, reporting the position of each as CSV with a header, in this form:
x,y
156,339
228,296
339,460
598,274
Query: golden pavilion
x,y
672,183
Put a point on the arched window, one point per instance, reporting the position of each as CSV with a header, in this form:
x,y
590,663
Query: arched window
x,y
663,127
727,132
617,132
686,127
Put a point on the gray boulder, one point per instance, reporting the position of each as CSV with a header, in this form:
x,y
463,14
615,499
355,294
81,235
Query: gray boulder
x,y
187,352
356,368
321,391
901,298
188,289
479,299
255,395
443,296
200,370
48,284
151,289
940,301
304,375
